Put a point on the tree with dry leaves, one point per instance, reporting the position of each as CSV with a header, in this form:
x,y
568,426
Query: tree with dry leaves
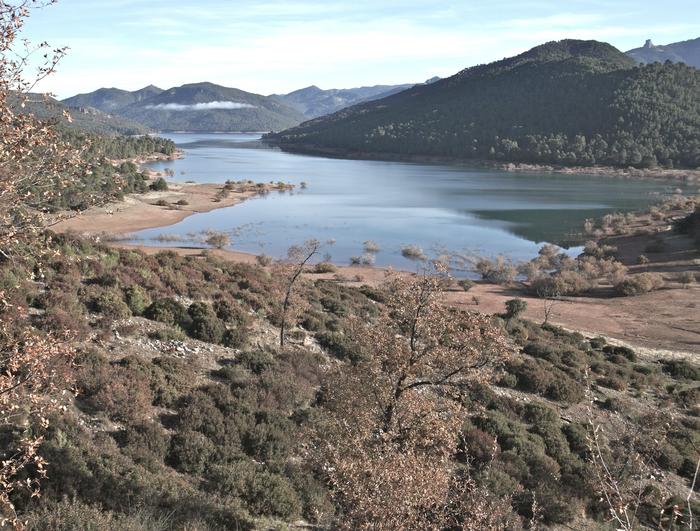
x,y
35,164
388,435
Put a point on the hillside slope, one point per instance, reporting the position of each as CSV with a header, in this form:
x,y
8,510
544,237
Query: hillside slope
x,y
82,119
194,107
687,52
569,102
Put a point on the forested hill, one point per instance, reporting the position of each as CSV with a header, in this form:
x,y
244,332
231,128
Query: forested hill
x,y
194,107
84,119
569,102
112,99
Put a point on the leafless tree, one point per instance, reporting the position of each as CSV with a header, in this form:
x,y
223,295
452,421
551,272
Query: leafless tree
x,y
297,258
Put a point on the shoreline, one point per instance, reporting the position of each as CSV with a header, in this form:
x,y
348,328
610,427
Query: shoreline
x,y
153,210
689,176
622,319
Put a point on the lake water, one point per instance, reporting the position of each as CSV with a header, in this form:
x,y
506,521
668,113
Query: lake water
x,y
435,206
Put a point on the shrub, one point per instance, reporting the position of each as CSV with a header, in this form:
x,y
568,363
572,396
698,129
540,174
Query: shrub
x,y
564,283
371,247
123,393
598,342
167,311
168,334
612,382
499,271
325,267
205,325
137,299
159,185
640,284
231,311
339,345
190,451
144,441
365,259
625,352
257,361
682,369
176,377
235,337
183,202
514,308
263,260
217,239
112,306
412,252
466,284
272,494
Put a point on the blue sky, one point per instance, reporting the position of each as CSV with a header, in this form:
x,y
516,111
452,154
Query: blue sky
x,y
269,46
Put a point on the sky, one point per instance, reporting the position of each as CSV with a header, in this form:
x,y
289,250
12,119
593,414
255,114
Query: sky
x,y
275,46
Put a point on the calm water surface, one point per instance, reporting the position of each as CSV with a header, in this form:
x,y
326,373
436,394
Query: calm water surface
x,y
438,207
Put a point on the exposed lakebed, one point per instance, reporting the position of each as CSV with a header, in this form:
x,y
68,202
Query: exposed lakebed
x,y
438,207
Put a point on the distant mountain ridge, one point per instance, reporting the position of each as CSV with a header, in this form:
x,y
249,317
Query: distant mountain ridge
x,y
112,99
194,107
687,52
569,102
314,102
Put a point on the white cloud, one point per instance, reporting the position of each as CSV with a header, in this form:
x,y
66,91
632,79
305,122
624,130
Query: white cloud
x,y
210,106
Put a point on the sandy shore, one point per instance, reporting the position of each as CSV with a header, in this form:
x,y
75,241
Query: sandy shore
x,y
142,211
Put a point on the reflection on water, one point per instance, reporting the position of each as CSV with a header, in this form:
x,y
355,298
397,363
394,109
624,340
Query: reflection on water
x,y
435,206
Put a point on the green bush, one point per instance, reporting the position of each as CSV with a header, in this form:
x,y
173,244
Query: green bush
x,y
159,185
682,369
167,311
144,441
272,494
190,451
339,345
235,337
137,299
168,334
112,306
204,324
514,308
626,352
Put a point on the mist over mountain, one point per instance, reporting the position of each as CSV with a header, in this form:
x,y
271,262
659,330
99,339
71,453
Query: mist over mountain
x,y
687,52
194,107
570,102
